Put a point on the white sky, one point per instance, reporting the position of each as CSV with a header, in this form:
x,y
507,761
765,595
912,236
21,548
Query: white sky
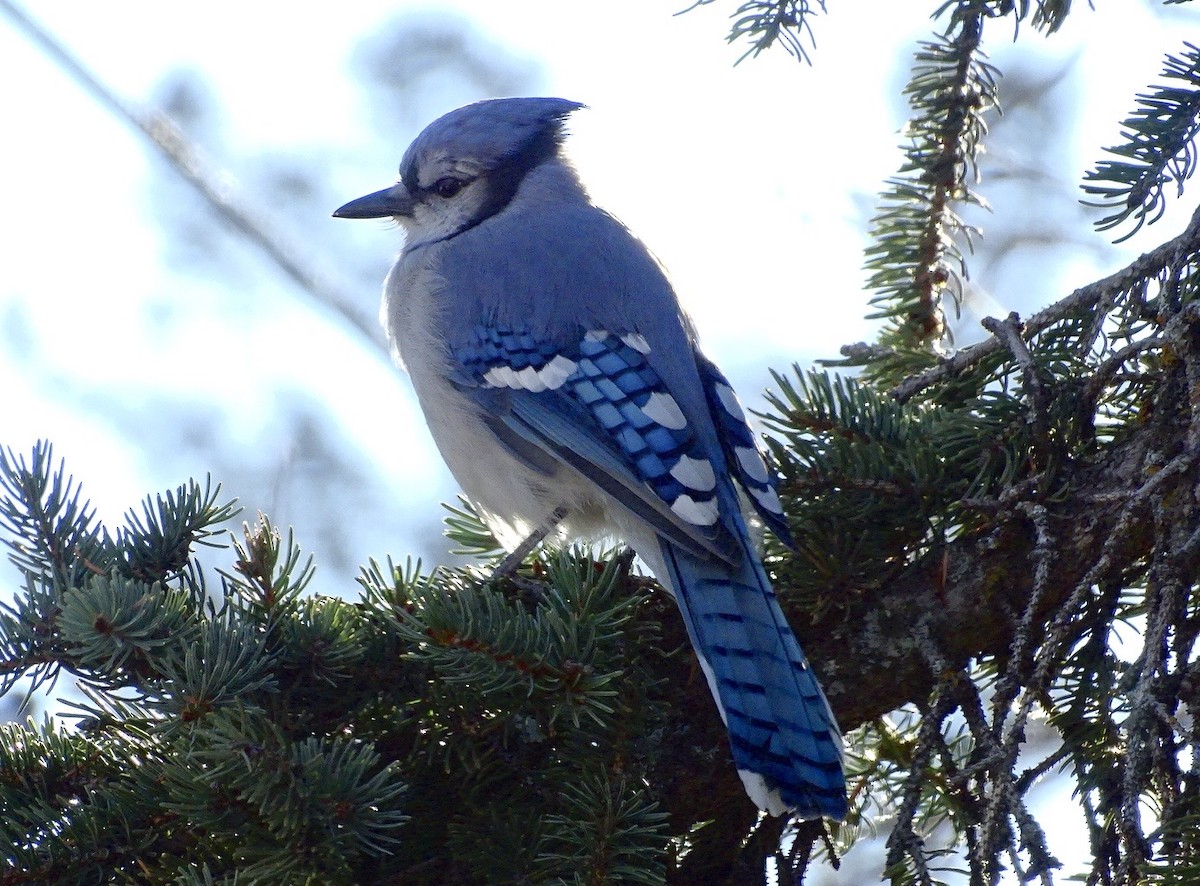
x,y
749,183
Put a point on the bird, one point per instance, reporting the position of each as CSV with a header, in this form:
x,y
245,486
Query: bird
x,y
564,386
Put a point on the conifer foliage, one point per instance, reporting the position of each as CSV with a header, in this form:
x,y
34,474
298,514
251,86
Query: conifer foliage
x,y
996,543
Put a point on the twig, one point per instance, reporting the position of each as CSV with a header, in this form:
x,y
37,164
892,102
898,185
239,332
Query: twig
x,y
1033,840
511,562
1105,373
1057,630
1147,265
1024,641
904,839
1009,331
193,167
866,351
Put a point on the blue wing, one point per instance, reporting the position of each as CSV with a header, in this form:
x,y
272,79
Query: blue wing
x,y
742,457
597,404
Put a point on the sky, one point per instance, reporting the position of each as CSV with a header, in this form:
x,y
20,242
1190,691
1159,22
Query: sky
x,y
752,183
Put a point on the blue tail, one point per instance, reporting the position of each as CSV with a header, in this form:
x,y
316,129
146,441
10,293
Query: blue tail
x,y
785,741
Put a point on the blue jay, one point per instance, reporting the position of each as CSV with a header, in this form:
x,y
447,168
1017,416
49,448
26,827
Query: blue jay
x,y
563,385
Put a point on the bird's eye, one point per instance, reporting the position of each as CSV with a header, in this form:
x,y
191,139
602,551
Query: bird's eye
x,y
447,187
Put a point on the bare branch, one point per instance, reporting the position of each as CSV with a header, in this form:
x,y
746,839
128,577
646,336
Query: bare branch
x,y
1148,265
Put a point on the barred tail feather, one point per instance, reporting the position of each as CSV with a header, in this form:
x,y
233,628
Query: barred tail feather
x,y
785,741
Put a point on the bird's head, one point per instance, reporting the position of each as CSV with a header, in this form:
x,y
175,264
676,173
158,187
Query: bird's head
x,y
466,165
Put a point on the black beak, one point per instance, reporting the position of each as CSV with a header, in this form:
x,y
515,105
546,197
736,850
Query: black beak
x,y
389,202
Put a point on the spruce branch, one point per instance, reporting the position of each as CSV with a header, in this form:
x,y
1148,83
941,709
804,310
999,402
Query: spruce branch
x,y
766,23
268,578
158,544
472,537
185,746
1119,489
51,531
477,638
916,254
1160,148
113,628
1149,266
1047,15
608,832
29,642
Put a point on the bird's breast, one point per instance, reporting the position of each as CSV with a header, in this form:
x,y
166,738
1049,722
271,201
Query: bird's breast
x,y
411,314
513,497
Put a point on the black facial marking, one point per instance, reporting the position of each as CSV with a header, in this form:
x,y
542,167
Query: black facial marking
x,y
408,175
503,180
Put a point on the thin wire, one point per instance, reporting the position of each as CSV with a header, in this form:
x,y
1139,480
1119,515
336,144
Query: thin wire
x,y
191,165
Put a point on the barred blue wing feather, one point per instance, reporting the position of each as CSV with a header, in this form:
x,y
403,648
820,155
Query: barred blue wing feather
x,y
597,404
742,456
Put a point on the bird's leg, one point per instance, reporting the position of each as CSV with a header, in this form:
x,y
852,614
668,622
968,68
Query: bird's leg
x,y
518,554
